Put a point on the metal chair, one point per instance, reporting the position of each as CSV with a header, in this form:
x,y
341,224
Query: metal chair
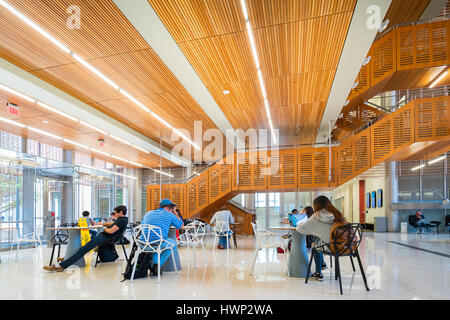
x,y
118,238
156,246
33,237
267,240
59,239
348,237
194,237
222,229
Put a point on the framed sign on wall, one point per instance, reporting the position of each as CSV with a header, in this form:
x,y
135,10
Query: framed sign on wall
x,y
380,198
374,199
367,200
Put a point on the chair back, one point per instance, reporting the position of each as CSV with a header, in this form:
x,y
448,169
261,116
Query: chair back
x,y
148,237
412,220
262,236
222,228
196,234
346,239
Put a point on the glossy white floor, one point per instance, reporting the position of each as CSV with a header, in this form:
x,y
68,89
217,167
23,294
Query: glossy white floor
x,y
404,273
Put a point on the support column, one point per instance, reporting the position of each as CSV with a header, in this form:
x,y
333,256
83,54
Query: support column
x,y
67,199
94,196
393,216
29,195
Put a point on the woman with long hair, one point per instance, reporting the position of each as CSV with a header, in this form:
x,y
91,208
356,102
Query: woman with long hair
x,y
319,226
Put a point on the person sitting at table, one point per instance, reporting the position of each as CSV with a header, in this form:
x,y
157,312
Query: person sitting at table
x,y
226,217
164,218
111,232
422,222
319,225
309,211
89,222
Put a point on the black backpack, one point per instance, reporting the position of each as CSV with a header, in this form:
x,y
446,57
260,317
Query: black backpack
x,y
107,252
143,265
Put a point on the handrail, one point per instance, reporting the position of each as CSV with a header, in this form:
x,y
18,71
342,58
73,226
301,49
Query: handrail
x,y
242,207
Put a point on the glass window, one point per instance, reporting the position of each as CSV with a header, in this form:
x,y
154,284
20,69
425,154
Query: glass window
x,y
274,199
260,200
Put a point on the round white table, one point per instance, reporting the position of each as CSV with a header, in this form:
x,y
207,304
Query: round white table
x,y
298,257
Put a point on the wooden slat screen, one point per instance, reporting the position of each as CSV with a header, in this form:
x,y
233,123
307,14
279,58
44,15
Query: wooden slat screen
x,y
432,118
363,80
423,45
251,171
313,167
286,173
383,62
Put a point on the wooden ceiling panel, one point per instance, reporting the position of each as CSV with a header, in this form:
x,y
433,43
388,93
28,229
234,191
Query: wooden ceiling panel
x,y
299,44
109,42
403,11
205,18
265,13
104,31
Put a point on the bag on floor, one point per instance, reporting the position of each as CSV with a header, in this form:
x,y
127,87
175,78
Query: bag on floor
x,y
107,252
143,265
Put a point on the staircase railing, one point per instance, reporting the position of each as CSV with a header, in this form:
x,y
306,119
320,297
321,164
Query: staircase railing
x,y
242,207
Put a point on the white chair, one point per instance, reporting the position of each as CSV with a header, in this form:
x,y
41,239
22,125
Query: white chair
x,y
193,237
156,246
33,237
222,229
267,240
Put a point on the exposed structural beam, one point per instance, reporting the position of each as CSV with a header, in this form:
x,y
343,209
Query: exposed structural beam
x,y
145,20
30,85
360,37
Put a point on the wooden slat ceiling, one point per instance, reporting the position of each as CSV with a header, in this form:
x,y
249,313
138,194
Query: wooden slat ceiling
x,y
34,116
110,43
404,11
299,44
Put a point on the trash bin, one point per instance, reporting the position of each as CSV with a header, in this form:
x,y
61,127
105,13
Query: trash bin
x,y
404,227
380,224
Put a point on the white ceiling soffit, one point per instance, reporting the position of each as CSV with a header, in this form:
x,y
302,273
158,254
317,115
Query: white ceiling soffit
x,y
434,8
145,20
357,44
26,83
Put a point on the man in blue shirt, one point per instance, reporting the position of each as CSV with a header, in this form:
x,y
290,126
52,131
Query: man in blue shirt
x,y
164,218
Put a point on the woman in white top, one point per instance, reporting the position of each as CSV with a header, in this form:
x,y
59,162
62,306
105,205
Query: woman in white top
x,y
319,225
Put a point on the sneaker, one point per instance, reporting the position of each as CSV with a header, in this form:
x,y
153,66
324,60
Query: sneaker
x,y
53,268
316,277
324,267
59,259
286,236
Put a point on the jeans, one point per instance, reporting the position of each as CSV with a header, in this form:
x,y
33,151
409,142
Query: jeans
x,y
223,240
93,233
164,255
99,238
318,261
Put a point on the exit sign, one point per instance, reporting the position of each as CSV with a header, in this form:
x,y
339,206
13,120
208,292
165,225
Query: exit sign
x,y
12,108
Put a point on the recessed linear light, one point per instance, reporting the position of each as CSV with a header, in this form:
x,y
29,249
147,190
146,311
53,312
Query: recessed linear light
x,y
14,123
45,133
29,22
418,167
44,121
437,159
438,79
16,93
119,158
100,152
140,149
76,143
258,67
43,105
163,173
93,127
106,171
120,139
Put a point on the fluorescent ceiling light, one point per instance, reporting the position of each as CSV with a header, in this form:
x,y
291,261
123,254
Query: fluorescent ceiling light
x,y
75,143
56,111
244,9
15,123
94,128
438,79
261,84
45,133
185,138
136,164
161,120
120,139
437,159
119,158
252,44
95,71
101,152
418,167
14,92
34,26
141,149
163,173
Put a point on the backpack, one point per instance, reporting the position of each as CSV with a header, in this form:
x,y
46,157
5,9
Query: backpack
x,y
144,263
107,252
345,237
